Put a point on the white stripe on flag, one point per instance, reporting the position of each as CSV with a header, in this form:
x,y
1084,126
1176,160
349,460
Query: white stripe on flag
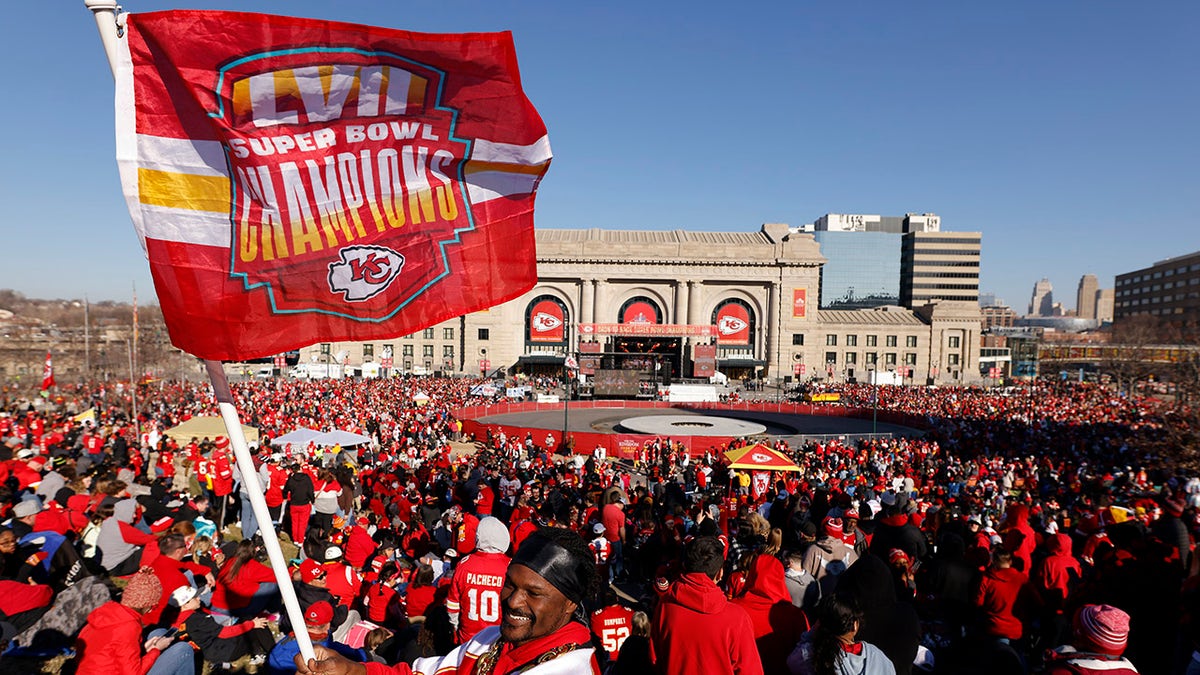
x,y
204,228
488,185
533,154
201,158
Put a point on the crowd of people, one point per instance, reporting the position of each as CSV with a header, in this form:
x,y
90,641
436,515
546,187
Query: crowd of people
x,y
1037,528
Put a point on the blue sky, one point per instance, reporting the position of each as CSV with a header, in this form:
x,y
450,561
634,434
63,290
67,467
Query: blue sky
x,y
1064,131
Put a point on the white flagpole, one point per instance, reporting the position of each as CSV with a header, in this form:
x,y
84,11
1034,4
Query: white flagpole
x,y
241,451
105,12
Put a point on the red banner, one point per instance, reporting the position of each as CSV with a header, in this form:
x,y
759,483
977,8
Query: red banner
x,y
799,302
48,373
589,357
547,323
704,367
640,312
634,329
704,351
297,181
733,324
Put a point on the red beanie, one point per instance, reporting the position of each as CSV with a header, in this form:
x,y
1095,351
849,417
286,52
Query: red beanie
x,y
833,527
1103,626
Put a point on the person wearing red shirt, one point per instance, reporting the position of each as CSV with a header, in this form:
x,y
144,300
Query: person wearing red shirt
x,y
612,623
778,624
485,500
384,605
169,567
998,594
465,534
421,593
276,478
222,470
344,583
474,598
358,544
244,585
613,517
696,630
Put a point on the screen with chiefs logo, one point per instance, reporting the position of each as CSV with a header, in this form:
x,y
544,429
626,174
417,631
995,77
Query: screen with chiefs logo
x,y
640,311
547,322
733,324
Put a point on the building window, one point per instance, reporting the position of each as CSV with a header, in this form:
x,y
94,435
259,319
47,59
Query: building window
x,y
484,334
890,358
891,341
368,353
447,333
910,359
830,358
872,358
910,341
872,340
427,334
851,340
406,350
952,359
427,350
830,340
798,339
851,358
448,351
326,348
954,341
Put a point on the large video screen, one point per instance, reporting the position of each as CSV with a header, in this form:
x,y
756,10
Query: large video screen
x,y
616,383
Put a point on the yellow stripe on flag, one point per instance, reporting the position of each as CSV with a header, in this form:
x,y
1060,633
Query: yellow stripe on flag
x,y
474,166
184,190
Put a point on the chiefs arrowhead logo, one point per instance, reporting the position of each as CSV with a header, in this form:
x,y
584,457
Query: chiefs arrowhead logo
x,y
544,322
364,271
731,325
761,458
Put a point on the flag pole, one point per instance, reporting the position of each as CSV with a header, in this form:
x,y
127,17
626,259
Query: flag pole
x,y
241,451
105,13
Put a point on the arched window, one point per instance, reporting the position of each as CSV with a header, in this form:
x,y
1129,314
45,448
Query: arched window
x,y
735,323
640,310
546,321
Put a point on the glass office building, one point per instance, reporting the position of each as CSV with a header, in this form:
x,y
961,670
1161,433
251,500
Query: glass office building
x,y
863,269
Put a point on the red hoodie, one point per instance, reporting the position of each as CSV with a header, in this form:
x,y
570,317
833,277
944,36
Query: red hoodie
x,y
1053,576
997,597
778,624
111,643
697,631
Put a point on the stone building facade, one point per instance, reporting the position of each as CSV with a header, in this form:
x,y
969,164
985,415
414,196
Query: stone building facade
x,y
675,298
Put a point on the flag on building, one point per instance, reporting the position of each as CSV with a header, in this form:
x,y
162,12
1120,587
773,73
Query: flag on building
x,y
47,374
296,181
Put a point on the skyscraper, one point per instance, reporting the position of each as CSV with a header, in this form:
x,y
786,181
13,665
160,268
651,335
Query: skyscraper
x,y
938,265
1085,298
1042,302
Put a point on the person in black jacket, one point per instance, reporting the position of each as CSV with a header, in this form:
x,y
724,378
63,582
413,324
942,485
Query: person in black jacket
x,y
892,626
895,530
300,492
217,643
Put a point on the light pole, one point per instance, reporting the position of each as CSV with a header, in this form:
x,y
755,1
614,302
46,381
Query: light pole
x,y
874,398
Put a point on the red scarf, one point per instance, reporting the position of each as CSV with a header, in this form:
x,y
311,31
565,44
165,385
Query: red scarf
x,y
513,657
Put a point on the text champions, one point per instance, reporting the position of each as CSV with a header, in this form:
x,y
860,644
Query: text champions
x,y
294,207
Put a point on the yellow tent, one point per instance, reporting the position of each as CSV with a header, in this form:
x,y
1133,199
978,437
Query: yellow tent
x,y
760,457
206,427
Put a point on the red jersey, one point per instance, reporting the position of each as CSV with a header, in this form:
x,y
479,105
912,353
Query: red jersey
x,y
475,593
612,625
377,601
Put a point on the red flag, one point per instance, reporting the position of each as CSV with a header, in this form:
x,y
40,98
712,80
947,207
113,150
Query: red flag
x,y
48,373
297,181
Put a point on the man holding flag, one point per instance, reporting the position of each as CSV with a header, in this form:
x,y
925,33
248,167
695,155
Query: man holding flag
x,y
313,181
